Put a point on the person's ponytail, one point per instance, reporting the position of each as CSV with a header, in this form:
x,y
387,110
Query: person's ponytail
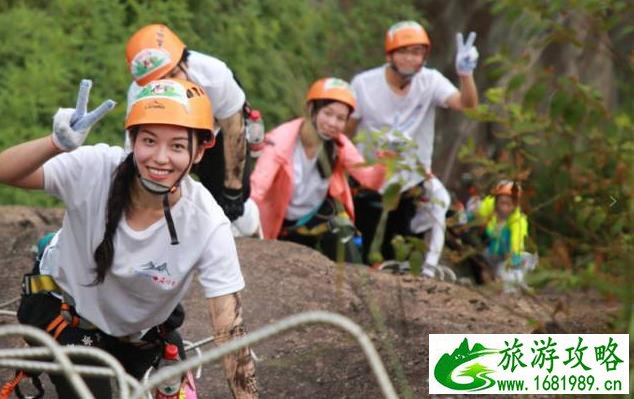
x,y
118,202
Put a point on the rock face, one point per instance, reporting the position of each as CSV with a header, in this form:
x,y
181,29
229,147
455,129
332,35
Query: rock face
x,y
398,312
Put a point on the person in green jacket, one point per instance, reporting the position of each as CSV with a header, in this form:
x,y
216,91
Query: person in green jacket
x,y
505,230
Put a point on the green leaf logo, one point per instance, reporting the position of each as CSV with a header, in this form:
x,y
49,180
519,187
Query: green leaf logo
x,y
166,89
478,372
147,61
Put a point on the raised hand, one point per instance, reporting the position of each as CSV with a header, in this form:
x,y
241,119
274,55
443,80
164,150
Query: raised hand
x,y
466,55
71,125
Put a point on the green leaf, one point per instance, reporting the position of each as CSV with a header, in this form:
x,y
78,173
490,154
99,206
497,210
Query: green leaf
x,y
401,248
583,214
574,112
530,139
616,228
416,263
497,58
391,197
516,82
419,244
497,72
375,257
596,220
558,104
467,148
483,113
535,94
496,94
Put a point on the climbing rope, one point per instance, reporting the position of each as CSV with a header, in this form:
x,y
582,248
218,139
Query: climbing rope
x,y
14,358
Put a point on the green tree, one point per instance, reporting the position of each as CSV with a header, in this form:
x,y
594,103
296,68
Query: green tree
x,y
559,134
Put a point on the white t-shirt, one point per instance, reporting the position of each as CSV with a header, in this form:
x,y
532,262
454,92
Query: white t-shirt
x,y
216,78
309,188
381,110
149,277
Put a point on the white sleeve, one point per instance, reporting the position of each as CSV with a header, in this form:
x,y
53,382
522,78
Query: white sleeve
x,y
219,270
443,89
358,111
225,94
74,176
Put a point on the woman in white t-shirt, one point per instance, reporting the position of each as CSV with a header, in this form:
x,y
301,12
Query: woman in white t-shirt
x,y
117,280
156,52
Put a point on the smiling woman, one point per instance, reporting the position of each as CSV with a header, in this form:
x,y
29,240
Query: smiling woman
x,y
120,282
163,155
170,125
299,182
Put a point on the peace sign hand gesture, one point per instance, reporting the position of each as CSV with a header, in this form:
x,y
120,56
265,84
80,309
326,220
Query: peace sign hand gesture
x,y
71,126
467,54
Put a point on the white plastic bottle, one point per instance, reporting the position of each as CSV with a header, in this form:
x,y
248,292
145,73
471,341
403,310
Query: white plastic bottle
x,y
169,389
255,133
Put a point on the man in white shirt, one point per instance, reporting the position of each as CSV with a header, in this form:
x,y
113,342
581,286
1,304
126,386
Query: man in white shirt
x,y
399,99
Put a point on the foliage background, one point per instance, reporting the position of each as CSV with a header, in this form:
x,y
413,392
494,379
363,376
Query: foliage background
x,y
276,48
555,78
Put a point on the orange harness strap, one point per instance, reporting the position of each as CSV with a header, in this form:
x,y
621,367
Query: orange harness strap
x,y
9,387
56,326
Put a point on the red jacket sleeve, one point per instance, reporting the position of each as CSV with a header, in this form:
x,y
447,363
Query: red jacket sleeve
x,y
264,173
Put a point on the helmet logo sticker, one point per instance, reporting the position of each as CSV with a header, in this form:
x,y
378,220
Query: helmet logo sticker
x,y
154,104
403,25
163,89
334,83
147,61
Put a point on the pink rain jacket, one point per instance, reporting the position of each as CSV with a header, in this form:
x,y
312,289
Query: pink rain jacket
x,y
272,178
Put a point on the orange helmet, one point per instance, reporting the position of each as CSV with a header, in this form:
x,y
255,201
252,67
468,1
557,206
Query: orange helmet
x,y
152,52
507,187
172,102
332,89
405,33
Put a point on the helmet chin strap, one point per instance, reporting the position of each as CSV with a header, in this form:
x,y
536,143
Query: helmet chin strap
x,y
160,189
153,187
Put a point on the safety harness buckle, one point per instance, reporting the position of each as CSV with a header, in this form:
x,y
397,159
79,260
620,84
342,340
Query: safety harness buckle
x,y
36,283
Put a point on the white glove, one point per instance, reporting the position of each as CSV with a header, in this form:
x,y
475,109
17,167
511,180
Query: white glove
x,y
467,54
71,126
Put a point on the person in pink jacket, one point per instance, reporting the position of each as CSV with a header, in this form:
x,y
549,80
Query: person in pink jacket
x,y
300,183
